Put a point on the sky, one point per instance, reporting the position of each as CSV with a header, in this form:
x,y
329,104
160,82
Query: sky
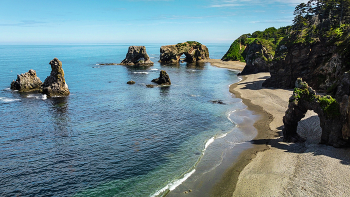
x,y
138,21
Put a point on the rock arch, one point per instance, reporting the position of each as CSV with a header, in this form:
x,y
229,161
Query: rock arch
x,y
304,98
193,51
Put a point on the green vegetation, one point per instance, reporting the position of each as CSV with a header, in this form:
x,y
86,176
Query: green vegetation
x,y
328,104
315,21
269,39
190,43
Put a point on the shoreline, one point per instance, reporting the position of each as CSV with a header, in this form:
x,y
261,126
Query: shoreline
x,y
227,184
275,168
223,150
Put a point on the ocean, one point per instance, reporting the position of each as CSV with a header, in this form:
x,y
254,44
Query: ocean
x,y
108,138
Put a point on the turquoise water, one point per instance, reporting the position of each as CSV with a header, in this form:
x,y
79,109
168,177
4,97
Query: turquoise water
x,y
108,138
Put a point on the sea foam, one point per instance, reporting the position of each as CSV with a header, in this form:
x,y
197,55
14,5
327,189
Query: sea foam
x,y
171,186
146,73
8,100
36,96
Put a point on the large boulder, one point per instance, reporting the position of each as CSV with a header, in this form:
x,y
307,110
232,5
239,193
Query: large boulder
x,y
137,56
193,51
163,79
27,82
55,84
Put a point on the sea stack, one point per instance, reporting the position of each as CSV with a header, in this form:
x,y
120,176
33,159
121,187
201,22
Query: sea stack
x,y
163,79
193,51
55,84
137,56
27,82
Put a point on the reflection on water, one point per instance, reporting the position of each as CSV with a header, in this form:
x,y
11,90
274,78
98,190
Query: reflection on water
x,y
60,116
164,90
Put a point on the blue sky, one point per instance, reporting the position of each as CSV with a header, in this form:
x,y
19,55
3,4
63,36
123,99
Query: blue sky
x,y
138,21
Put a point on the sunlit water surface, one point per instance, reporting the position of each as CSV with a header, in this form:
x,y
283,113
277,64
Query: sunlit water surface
x,y
107,138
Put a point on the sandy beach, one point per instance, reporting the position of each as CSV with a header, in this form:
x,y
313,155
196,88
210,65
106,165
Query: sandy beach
x,y
236,65
275,168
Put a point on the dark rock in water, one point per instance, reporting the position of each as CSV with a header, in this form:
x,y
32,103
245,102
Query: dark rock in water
x,y
163,79
334,116
150,86
137,56
131,82
218,102
27,82
55,84
193,51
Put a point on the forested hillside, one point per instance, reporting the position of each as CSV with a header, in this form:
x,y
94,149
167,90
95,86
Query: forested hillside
x,y
315,47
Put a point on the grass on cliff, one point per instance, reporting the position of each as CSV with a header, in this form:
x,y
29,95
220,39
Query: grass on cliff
x,y
329,105
269,39
190,43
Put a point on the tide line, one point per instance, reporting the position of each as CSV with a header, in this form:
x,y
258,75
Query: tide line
x,y
171,186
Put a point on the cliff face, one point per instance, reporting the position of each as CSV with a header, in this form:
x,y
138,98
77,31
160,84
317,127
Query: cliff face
x,y
193,51
318,64
257,58
257,49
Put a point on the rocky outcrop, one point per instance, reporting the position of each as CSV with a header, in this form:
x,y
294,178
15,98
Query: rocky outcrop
x,y
163,79
27,82
317,64
137,56
334,115
256,58
193,51
130,82
55,84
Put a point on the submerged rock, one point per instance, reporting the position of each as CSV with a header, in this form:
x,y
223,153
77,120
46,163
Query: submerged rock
x,y
163,79
55,84
137,56
193,51
150,86
27,82
218,102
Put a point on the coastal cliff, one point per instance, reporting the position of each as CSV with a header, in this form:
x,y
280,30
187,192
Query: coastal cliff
x,y
194,51
257,49
315,48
